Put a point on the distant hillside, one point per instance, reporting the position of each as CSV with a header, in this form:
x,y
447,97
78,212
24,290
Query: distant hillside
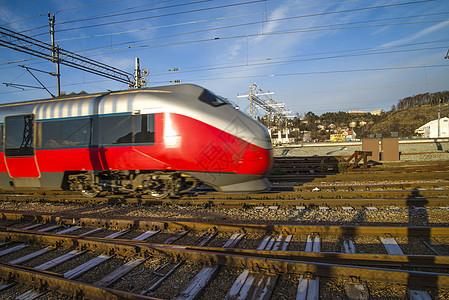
x,y
404,122
422,99
404,118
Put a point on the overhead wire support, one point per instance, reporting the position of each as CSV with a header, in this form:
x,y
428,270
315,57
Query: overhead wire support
x,y
43,86
28,45
254,100
54,53
21,86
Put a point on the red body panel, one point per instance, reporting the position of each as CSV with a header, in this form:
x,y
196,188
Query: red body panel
x,y
22,166
181,143
3,168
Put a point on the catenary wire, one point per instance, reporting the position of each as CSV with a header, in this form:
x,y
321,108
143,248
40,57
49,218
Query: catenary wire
x,y
158,16
251,23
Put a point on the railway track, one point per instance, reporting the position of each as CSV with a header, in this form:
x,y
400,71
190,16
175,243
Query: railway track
x,y
406,185
134,259
379,233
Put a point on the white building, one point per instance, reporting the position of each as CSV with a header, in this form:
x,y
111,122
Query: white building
x,y
430,130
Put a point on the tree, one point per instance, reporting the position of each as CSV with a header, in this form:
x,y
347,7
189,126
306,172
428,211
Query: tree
x,y
311,117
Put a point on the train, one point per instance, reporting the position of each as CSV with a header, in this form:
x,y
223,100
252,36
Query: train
x,y
159,141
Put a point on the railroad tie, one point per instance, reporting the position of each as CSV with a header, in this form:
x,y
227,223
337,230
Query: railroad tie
x,y
32,226
50,228
418,295
355,290
234,240
162,273
83,268
206,238
438,249
58,260
146,235
118,273
69,230
117,234
159,275
196,286
308,288
176,237
31,294
76,272
12,249
257,285
31,256
92,231
391,246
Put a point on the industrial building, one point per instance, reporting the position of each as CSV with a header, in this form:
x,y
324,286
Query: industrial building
x,y
432,130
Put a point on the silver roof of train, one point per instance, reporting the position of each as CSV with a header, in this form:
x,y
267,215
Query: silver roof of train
x,y
181,99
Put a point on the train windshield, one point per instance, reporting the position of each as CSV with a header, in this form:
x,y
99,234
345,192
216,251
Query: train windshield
x,y
212,99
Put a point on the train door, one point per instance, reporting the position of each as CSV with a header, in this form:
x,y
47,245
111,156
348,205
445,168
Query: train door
x,y
19,149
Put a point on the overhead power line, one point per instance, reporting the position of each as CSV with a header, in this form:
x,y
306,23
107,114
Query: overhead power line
x,y
270,62
274,33
120,13
245,76
60,10
158,16
24,44
226,27
227,17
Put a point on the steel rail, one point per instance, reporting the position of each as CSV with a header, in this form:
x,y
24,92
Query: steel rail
x,y
342,230
47,280
305,203
428,198
405,194
130,248
254,260
369,186
362,177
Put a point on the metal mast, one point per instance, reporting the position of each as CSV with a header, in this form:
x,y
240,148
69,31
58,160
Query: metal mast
x,y
55,52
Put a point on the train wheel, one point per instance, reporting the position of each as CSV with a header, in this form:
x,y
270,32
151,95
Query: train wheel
x,y
89,193
188,185
158,194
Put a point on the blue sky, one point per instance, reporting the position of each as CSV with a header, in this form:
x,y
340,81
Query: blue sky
x,y
319,56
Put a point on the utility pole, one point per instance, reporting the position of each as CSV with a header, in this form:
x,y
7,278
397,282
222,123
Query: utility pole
x,y
139,75
55,52
254,99
250,98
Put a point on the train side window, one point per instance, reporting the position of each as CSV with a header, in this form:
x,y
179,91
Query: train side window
x,y
75,132
64,133
115,130
19,135
143,128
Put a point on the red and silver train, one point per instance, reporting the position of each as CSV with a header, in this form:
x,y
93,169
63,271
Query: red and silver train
x,y
161,141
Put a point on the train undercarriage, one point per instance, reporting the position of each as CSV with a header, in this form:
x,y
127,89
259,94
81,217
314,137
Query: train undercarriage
x,y
158,184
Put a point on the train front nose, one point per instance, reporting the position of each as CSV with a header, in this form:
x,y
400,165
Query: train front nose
x,y
255,160
252,170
